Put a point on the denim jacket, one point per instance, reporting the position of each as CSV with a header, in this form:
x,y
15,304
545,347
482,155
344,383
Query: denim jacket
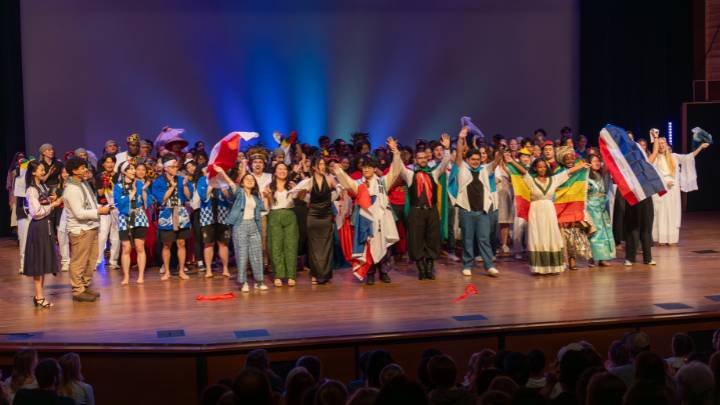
x,y
236,213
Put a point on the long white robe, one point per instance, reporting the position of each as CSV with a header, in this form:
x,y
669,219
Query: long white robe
x,y
668,207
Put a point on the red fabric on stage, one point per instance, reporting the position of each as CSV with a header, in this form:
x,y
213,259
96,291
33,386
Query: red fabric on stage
x,y
361,269
218,297
470,289
345,233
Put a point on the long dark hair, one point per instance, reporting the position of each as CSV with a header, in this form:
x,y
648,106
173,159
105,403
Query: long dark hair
x,y
596,175
534,165
29,175
255,191
273,183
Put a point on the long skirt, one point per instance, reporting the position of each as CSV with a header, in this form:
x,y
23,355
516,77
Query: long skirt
x,y
320,246
575,240
545,243
666,224
602,242
301,211
41,253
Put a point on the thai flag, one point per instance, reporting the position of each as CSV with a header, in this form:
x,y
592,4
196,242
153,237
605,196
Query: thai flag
x,y
635,177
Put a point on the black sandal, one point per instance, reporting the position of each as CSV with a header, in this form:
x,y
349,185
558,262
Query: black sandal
x,y
42,302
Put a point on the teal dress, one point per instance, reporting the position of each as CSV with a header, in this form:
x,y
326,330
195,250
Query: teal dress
x,y
602,243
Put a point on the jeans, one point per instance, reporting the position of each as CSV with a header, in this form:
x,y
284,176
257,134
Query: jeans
x,y
476,227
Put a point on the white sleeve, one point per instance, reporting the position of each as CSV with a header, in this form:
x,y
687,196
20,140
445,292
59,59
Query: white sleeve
x,y
687,173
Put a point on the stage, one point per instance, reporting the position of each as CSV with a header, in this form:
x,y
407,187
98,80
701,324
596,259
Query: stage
x,y
516,310
139,316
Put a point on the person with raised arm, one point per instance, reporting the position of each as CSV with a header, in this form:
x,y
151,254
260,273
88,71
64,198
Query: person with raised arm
x,y
545,242
245,217
423,221
471,186
374,229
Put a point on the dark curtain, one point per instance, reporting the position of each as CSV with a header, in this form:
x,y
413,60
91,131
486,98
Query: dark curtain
x,y
636,64
12,124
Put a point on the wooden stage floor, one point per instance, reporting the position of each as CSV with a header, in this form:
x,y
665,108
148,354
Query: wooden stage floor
x,y
131,316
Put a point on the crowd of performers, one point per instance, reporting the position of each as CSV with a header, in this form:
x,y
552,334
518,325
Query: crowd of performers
x,y
334,205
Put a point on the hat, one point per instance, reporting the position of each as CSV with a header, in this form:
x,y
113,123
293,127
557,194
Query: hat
x,y
110,142
257,153
525,151
133,138
45,147
548,143
145,142
563,151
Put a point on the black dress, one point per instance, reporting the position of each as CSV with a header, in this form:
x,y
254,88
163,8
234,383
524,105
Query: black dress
x,y
320,232
41,252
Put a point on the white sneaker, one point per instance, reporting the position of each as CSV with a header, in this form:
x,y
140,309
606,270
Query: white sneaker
x,y
200,265
245,288
628,263
467,272
162,270
261,287
478,259
505,249
518,256
453,257
492,272
652,263
65,267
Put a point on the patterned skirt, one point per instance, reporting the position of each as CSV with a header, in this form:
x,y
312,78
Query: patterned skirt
x,y
575,240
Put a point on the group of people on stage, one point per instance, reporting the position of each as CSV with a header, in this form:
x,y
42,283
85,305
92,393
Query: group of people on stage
x,y
332,205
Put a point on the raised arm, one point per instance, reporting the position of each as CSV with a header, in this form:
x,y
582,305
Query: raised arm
x,y
700,149
654,135
460,146
510,161
221,172
440,169
396,166
579,166
345,180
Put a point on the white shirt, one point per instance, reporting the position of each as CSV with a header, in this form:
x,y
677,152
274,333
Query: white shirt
x,y
249,212
282,200
263,181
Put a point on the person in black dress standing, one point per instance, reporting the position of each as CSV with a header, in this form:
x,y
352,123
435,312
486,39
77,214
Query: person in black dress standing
x,y
321,189
41,255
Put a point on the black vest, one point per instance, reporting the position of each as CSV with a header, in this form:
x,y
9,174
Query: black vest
x,y
416,201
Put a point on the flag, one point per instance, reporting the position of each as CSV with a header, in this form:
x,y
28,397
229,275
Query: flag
x,y
635,177
700,136
224,154
472,128
570,197
521,191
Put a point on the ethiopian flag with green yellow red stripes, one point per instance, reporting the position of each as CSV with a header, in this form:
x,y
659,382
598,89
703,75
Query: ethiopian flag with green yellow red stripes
x,y
569,198
521,191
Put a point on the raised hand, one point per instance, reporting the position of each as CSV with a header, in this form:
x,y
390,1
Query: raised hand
x,y
392,144
507,157
463,133
704,145
445,141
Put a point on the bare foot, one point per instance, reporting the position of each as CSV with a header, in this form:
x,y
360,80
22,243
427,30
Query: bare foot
x,y
140,280
208,274
125,281
226,273
166,276
183,276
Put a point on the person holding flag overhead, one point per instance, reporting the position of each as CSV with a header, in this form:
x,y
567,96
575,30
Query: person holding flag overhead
x,y
470,186
423,221
374,229
545,242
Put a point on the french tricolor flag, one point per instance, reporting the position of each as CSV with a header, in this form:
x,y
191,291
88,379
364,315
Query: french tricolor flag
x,y
635,177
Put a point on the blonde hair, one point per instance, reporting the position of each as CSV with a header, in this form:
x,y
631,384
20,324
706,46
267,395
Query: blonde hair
x,y
669,156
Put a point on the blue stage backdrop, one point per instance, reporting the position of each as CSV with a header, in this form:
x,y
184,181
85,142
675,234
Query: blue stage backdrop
x,y
100,69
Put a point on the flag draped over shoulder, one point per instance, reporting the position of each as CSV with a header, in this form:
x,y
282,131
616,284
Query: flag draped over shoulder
x,y
570,197
224,154
522,192
635,177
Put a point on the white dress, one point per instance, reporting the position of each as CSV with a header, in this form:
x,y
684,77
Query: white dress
x,y
666,225
545,243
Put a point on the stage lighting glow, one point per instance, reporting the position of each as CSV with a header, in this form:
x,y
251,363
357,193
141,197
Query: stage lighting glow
x,y
670,132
